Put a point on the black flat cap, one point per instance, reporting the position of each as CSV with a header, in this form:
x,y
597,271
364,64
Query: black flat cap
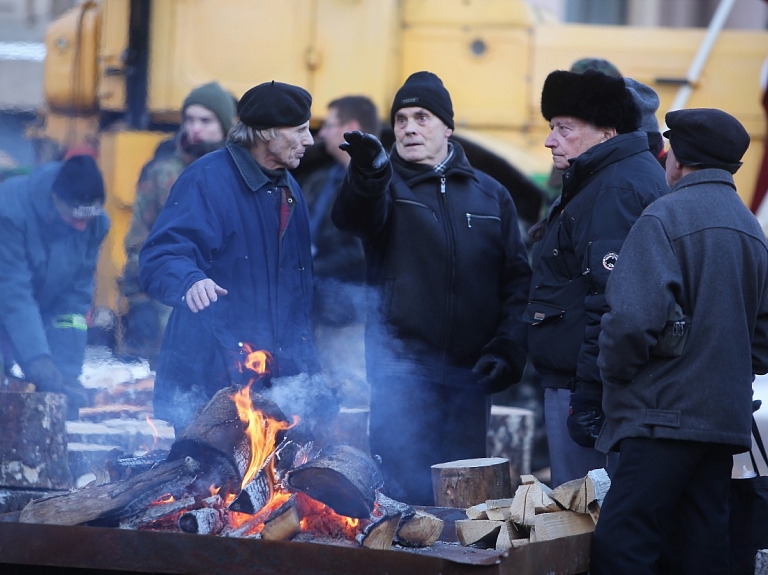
x,y
706,137
274,104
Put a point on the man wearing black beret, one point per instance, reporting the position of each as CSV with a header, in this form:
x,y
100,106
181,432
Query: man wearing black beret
x,y
230,252
686,331
445,257
609,177
52,226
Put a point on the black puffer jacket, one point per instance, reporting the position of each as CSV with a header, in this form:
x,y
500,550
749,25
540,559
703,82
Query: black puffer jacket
x,y
444,250
604,191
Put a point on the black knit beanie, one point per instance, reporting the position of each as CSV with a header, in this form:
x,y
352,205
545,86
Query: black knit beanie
x,y
590,96
79,185
216,99
273,105
425,90
706,137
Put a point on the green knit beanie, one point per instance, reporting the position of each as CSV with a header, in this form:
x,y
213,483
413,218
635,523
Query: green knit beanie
x,y
216,99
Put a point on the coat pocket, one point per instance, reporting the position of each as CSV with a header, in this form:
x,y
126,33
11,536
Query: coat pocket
x,y
673,337
539,312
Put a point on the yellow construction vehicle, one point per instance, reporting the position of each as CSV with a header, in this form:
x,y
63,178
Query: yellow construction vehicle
x,y
117,70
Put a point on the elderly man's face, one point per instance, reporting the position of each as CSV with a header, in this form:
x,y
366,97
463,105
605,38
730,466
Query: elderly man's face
x,y
287,149
421,137
571,137
201,125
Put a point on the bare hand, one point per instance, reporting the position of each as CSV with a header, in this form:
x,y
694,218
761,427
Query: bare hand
x,y
202,294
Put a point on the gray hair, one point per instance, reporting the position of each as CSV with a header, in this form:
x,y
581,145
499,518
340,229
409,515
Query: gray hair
x,y
247,136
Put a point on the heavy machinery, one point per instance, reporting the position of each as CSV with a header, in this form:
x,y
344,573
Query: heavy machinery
x,y
116,72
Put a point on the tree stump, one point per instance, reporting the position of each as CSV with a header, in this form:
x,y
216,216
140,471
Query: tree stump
x,y
510,435
467,482
33,441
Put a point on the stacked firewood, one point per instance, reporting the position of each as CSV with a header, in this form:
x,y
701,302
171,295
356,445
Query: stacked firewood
x,y
535,513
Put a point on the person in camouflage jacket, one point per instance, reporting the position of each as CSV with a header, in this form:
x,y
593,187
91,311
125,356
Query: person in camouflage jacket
x,y
207,115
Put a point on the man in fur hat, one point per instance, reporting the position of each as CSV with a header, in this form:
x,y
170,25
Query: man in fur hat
x,y
445,256
231,254
207,114
609,177
52,226
686,330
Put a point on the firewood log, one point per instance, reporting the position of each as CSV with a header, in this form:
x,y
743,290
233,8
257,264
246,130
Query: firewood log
x,y
467,482
205,521
479,532
343,477
421,529
522,510
113,499
508,534
283,524
155,514
560,524
479,511
498,509
578,494
380,533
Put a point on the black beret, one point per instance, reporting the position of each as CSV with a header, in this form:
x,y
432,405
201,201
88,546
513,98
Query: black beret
x,y
79,185
274,104
706,137
425,90
591,96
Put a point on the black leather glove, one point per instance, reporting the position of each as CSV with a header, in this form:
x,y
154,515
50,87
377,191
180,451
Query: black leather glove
x,y
366,151
44,374
585,415
496,372
142,324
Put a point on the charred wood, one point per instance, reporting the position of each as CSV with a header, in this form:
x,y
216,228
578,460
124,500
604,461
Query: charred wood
x,y
343,477
205,521
158,515
380,533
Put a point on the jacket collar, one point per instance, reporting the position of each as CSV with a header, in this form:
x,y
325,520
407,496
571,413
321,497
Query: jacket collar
x,y
254,175
705,176
454,163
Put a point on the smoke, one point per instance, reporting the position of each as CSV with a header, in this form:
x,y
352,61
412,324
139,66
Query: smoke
x,y
307,396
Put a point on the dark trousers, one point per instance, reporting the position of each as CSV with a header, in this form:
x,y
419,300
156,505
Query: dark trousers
x,y
414,425
666,510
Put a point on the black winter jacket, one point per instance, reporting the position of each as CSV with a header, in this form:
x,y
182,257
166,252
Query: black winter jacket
x,y
699,247
604,191
445,254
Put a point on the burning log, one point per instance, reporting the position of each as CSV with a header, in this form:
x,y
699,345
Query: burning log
x,y
205,521
343,477
112,500
468,482
284,523
380,534
157,515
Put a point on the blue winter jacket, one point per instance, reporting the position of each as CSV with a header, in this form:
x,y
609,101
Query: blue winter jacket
x,y
221,221
46,272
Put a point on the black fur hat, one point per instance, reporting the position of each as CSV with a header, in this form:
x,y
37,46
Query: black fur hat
x,y
590,96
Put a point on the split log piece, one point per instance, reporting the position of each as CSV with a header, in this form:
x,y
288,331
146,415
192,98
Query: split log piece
x,y
284,523
561,524
522,510
577,494
421,529
509,533
254,496
380,533
341,476
498,509
478,532
467,482
479,511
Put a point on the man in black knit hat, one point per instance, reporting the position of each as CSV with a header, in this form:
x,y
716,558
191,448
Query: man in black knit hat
x,y
52,226
445,256
231,254
686,330
609,177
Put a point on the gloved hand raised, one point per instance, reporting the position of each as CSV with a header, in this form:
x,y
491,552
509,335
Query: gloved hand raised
x,y
44,374
497,373
585,416
366,151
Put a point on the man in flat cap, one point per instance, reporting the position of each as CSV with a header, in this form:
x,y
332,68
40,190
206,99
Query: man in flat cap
x,y
230,253
609,177
207,114
686,331
52,226
445,255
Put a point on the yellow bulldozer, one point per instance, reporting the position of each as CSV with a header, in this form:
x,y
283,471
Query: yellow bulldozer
x,y
116,72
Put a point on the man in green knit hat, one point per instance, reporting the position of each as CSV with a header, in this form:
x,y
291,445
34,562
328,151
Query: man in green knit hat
x,y
208,113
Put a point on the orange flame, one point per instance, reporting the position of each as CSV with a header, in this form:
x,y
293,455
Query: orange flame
x,y
320,519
